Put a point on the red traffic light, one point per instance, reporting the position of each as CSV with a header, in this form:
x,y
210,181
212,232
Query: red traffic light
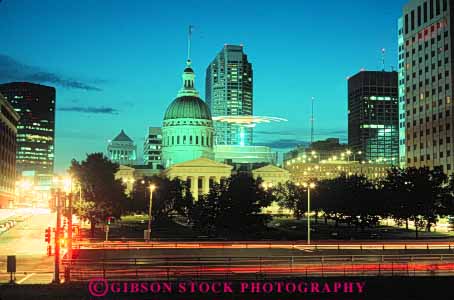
x,y
47,235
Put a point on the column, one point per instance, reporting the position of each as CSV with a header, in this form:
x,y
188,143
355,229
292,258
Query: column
x,y
194,187
206,184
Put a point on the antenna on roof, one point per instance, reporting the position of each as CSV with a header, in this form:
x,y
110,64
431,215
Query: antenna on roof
x,y
189,41
312,120
383,53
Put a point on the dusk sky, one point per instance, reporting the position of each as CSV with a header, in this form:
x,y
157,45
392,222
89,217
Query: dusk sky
x,y
118,64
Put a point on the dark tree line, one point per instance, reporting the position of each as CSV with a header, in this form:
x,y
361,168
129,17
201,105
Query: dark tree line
x,y
232,207
235,205
419,195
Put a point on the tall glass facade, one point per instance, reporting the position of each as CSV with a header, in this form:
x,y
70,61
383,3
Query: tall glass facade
x,y
35,105
373,119
229,93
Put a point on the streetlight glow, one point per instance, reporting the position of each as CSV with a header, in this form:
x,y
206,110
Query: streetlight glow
x,y
309,186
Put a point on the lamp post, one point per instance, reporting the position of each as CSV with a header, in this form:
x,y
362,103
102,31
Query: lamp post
x,y
309,186
148,235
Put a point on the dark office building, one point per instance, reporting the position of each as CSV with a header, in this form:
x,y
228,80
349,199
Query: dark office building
x,y
8,122
35,105
426,67
373,118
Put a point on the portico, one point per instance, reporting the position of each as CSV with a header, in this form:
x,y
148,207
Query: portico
x,y
200,173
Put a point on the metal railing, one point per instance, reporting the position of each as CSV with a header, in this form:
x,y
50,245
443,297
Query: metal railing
x,y
197,268
413,245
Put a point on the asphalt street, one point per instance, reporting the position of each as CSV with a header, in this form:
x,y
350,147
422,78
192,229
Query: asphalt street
x,y
26,241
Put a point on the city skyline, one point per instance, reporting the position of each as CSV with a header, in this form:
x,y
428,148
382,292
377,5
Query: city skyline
x,y
104,82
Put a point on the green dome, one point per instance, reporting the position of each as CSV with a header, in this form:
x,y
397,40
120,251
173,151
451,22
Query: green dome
x,y
188,107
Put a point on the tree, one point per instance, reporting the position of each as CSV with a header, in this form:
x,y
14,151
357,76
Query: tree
x,y
234,206
170,196
103,195
350,199
416,194
292,197
397,196
446,207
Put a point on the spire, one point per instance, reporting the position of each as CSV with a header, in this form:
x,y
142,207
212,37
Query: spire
x,y
188,88
189,43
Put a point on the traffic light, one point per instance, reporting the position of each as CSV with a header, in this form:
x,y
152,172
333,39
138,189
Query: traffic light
x,y
65,223
108,220
47,235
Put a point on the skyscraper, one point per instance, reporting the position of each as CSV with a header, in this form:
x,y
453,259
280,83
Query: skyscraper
x,y
373,119
229,93
35,104
8,121
427,32
401,90
152,148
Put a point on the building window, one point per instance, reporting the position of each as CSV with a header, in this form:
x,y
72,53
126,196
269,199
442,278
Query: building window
x,y
431,9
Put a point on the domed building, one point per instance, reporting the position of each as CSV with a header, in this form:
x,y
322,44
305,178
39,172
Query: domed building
x,y
187,129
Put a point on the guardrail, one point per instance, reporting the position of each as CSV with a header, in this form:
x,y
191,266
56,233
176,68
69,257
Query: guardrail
x,y
198,268
117,245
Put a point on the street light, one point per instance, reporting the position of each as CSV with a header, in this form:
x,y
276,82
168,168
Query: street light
x,y
148,235
309,186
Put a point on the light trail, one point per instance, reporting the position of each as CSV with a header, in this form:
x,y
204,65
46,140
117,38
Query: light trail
x,y
413,269
406,245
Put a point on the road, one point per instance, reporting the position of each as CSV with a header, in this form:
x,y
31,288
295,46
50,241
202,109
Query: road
x,y
188,259
206,260
26,241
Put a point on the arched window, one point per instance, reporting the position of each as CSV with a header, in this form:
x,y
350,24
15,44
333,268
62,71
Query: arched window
x,y
197,140
184,140
178,140
203,140
173,140
190,139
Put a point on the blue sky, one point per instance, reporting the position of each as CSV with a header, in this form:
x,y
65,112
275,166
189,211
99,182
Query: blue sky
x,y
117,64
